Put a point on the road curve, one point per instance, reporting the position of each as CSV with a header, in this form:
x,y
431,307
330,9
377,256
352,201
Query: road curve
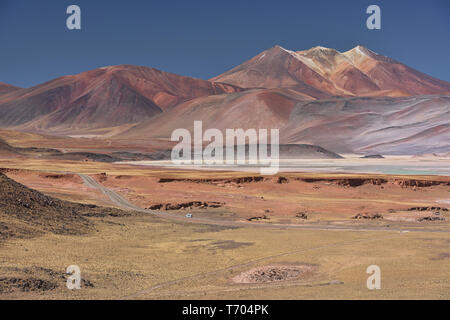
x,y
115,198
121,202
124,204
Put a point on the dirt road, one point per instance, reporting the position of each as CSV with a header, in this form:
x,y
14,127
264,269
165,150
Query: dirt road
x,y
122,203
115,198
152,291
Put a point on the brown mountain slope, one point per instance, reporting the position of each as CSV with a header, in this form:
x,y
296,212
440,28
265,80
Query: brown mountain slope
x,y
25,212
322,72
337,68
344,125
256,108
104,97
7,88
278,68
389,74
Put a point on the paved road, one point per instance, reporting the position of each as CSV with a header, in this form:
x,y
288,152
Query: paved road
x,y
122,203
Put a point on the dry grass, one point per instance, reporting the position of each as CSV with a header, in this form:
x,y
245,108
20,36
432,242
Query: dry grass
x,y
133,254
144,257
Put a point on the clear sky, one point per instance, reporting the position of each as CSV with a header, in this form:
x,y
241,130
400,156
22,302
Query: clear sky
x,y
203,38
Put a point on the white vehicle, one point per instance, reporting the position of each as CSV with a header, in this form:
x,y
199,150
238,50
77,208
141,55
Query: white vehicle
x,y
188,215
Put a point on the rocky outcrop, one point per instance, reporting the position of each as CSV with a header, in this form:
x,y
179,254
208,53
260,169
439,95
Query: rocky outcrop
x,y
419,183
186,205
215,181
348,182
25,212
430,218
258,218
428,209
302,215
368,216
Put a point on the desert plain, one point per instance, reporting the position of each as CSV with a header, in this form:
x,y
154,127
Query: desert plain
x,y
86,180
213,234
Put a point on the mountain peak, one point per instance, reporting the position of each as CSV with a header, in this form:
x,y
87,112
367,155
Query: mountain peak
x,y
363,50
360,52
280,48
320,72
360,47
323,49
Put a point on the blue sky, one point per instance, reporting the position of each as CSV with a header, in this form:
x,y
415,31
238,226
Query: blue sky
x,y
203,38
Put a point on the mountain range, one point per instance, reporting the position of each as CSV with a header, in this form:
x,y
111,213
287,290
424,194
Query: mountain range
x,y
354,101
323,72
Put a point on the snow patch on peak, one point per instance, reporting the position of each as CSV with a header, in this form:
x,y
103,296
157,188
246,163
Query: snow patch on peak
x,y
262,56
361,51
322,50
286,50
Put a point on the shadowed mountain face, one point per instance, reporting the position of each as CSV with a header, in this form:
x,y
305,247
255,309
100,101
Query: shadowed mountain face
x,y
101,98
322,72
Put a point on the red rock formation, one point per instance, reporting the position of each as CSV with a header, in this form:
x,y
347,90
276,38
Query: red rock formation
x,y
104,97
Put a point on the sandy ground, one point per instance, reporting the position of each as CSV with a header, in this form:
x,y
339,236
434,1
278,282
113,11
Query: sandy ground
x,y
148,257
143,258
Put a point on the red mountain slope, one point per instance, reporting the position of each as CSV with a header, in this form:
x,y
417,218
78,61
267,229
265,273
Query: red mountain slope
x,y
104,97
322,72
